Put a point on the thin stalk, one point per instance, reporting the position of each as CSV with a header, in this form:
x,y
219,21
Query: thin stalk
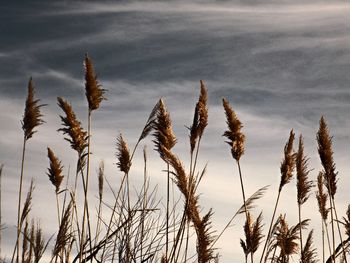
x,y
323,252
167,211
191,181
328,240
300,234
98,224
144,202
58,211
271,223
86,216
340,236
332,225
129,221
19,203
112,215
65,192
243,195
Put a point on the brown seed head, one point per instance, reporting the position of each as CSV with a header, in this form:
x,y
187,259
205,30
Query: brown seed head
x,y
32,115
93,91
200,118
163,132
347,222
123,155
288,163
324,141
321,197
303,184
72,127
233,134
64,234
308,252
55,170
286,238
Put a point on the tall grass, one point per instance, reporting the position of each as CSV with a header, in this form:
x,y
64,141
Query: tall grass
x,y
138,225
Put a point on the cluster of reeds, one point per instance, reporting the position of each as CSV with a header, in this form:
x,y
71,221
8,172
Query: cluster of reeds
x,y
132,227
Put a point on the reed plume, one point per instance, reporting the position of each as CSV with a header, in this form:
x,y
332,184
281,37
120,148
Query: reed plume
x,y
123,155
286,238
347,222
303,184
321,197
39,243
64,234
32,116
93,91
55,170
27,207
77,137
163,132
200,117
324,141
55,176
288,163
309,254
253,235
234,135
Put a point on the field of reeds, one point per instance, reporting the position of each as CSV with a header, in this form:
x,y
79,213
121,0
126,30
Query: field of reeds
x,y
176,227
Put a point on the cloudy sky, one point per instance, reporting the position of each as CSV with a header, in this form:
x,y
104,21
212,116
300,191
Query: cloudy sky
x,y
281,64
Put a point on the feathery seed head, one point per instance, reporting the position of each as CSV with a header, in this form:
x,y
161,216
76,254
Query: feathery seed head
x,y
308,252
288,163
202,109
200,117
32,115
123,155
93,91
324,141
303,184
72,127
163,132
55,170
321,197
286,238
234,135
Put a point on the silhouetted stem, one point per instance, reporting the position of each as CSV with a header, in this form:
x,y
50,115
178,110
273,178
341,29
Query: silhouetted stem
x,y
271,223
19,203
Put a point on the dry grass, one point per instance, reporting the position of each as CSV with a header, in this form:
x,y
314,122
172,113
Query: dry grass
x,y
135,226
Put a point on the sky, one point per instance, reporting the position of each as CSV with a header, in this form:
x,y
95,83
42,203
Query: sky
x,y
281,64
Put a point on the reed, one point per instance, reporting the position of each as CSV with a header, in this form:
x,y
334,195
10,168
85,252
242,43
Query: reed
x,y
164,141
32,118
55,176
325,151
287,167
304,185
132,226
